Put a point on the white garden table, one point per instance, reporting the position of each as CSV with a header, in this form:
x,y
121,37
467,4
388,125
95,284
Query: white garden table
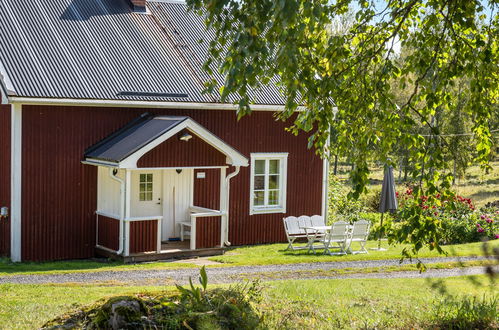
x,y
315,232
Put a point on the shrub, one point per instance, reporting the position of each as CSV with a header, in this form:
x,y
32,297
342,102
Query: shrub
x,y
375,219
372,200
341,206
456,216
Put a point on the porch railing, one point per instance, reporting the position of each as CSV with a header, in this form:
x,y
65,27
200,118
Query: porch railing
x,y
202,212
127,221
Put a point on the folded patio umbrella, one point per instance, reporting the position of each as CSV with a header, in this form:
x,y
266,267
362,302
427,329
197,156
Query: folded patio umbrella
x,y
388,201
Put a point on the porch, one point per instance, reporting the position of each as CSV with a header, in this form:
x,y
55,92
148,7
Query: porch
x,y
162,190
145,239
169,250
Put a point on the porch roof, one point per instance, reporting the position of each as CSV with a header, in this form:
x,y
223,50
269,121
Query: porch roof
x,y
125,147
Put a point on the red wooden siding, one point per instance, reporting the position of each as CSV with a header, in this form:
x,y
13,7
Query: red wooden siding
x,y
207,194
5,178
59,193
207,232
109,232
207,190
143,236
174,152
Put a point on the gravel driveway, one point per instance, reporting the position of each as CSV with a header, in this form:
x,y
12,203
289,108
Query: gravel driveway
x,y
236,273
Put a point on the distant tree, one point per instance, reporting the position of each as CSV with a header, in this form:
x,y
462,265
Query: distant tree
x,y
257,41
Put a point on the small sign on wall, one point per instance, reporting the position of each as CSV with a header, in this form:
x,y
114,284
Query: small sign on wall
x,y
200,175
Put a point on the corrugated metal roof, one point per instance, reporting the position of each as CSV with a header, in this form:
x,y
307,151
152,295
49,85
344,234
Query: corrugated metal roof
x,y
100,49
132,137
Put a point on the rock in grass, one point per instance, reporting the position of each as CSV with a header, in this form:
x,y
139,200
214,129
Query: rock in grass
x,y
124,312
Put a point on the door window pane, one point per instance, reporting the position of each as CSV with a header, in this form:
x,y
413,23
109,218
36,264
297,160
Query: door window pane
x,y
145,187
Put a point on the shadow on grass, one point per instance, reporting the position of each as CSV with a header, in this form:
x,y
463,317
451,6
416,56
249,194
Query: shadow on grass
x,y
484,194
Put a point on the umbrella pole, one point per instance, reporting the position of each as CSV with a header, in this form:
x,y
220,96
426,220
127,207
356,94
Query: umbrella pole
x,y
380,231
380,235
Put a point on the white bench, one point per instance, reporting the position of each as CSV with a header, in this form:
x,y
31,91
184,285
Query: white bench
x,y
294,228
185,229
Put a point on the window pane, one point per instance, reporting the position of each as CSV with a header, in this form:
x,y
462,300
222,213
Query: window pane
x,y
149,187
274,166
258,198
142,196
259,166
274,197
149,177
142,178
142,187
149,196
274,182
259,183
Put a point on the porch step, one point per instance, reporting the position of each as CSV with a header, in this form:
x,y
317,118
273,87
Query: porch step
x,y
164,255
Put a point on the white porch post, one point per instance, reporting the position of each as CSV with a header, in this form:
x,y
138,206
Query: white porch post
x,y
128,189
158,237
223,206
193,233
15,182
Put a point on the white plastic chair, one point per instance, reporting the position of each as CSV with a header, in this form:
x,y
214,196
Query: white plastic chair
x,y
314,236
337,238
360,233
293,230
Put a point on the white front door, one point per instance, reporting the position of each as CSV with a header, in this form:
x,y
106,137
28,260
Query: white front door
x,y
177,197
146,193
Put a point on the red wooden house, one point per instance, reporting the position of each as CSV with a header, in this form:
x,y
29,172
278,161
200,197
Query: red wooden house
x,y
109,145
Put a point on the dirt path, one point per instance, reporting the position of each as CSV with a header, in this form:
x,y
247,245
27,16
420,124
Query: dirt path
x,y
349,269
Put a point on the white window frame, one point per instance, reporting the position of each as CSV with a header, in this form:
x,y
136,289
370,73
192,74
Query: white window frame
x,y
283,178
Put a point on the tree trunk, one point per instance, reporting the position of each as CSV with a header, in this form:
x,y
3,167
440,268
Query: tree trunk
x,y
454,174
400,169
335,171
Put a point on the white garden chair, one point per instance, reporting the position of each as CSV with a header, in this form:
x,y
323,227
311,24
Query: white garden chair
x,y
337,238
293,230
360,233
314,235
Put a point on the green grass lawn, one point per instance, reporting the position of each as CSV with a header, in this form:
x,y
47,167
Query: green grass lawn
x,y
367,304
287,304
276,254
238,256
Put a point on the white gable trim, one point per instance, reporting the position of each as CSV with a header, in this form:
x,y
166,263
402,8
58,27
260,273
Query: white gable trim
x,y
233,156
4,99
6,87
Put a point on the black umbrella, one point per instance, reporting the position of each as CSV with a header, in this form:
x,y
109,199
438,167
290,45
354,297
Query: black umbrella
x,y
388,201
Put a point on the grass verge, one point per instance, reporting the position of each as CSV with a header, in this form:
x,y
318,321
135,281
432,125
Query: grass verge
x,y
325,273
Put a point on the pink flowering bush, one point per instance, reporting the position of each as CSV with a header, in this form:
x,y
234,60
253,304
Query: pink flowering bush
x,y
456,216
